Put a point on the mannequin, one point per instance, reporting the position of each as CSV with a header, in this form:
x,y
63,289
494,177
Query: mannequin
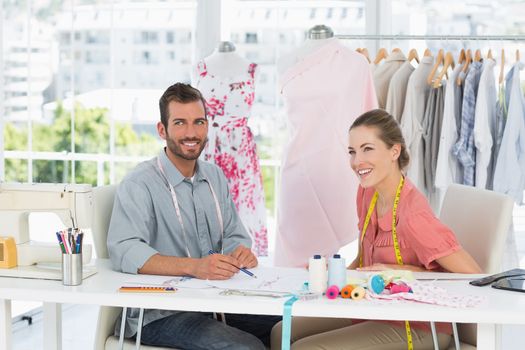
x,y
225,61
318,36
226,46
325,86
227,83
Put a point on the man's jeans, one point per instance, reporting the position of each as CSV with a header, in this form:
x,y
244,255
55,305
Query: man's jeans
x,y
197,330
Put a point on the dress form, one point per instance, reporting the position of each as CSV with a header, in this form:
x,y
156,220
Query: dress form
x,y
324,88
318,36
224,61
227,83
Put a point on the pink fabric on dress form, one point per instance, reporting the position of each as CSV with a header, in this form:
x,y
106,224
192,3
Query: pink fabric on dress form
x,y
323,93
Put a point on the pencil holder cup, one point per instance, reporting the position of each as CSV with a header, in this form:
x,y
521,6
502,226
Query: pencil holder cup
x,y
71,269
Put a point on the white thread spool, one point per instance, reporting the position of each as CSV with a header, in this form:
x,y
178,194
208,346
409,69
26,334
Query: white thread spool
x,y
337,271
317,274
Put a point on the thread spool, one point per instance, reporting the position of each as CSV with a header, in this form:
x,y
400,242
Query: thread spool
x,y
358,293
337,271
376,284
332,292
346,292
317,274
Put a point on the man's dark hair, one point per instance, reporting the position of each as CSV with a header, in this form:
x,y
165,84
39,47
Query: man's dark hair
x,y
181,93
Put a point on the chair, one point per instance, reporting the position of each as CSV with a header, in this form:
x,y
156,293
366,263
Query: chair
x,y
103,198
481,220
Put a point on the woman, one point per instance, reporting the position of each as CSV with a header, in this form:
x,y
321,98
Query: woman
x,y
378,156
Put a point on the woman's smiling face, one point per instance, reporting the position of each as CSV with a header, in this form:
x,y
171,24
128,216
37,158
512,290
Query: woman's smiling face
x,y
370,157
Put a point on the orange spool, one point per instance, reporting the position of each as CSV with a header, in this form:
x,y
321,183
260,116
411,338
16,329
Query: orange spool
x,y
346,292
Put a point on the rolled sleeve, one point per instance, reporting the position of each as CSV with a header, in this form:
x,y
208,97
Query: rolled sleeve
x,y
430,239
130,228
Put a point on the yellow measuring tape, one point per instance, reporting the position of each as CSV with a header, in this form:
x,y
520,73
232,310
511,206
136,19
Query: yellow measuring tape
x,y
397,250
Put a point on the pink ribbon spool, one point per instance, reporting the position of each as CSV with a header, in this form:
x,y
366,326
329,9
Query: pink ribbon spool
x,y
332,292
399,288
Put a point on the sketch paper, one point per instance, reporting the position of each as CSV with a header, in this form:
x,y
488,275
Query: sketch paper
x,y
271,279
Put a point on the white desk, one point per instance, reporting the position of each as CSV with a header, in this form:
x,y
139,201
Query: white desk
x,y
502,307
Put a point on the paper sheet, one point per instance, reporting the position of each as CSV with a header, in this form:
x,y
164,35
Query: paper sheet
x,y
272,279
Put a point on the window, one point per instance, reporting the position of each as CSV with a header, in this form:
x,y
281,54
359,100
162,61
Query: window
x,y
250,38
170,37
96,37
138,73
97,57
147,37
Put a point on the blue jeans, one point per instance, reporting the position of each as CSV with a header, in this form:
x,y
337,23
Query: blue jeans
x,y
197,330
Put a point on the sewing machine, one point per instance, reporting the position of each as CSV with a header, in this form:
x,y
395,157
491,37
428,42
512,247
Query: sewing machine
x,y
73,205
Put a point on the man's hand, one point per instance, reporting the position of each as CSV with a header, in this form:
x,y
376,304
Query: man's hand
x,y
244,256
215,267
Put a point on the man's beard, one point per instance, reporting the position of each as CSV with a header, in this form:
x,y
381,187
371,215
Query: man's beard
x,y
176,149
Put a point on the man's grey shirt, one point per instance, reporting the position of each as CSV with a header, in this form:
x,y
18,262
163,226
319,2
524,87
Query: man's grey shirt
x,y
144,221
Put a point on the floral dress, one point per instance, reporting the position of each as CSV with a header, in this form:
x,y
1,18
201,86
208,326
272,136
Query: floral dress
x,y
232,147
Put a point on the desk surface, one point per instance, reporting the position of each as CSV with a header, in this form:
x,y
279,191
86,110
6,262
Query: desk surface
x,y
503,307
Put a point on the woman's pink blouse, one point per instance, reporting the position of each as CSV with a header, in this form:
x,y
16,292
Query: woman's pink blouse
x,y
422,237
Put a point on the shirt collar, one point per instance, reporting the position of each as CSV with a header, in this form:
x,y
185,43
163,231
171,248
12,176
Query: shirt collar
x,y
427,60
173,174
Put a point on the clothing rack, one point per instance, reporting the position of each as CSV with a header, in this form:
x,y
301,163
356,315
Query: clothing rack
x,y
434,37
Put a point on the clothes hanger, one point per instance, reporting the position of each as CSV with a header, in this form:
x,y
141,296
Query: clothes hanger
x,y
439,61
364,52
462,56
477,55
427,53
412,54
381,54
501,71
358,50
517,55
468,59
448,62
489,54
396,49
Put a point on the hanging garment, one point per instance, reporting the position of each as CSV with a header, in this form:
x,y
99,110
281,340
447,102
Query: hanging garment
x,y
447,166
323,94
464,149
411,121
383,74
485,124
232,147
501,119
432,121
509,177
395,101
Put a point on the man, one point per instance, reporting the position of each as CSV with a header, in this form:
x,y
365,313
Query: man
x,y
169,213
